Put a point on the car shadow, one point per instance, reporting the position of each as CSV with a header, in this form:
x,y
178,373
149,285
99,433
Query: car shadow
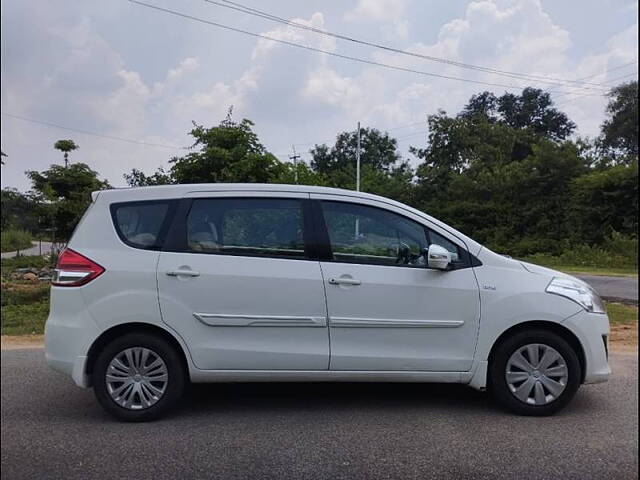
x,y
304,397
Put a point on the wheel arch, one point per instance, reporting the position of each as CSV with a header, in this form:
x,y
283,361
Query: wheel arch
x,y
122,329
554,327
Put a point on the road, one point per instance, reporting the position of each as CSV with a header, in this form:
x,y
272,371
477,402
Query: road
x,y
34,250
613,288
51,429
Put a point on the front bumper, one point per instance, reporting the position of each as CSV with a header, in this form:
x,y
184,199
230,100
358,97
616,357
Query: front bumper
x,y
592,330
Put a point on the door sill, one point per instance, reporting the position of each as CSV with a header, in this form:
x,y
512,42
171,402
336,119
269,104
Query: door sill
x,y
207,376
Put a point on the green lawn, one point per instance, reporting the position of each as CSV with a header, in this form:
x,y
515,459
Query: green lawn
x,y
620,314
25,319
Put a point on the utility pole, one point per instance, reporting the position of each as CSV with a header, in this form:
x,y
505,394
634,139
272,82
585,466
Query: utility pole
x,y
357,232
358,161
295,158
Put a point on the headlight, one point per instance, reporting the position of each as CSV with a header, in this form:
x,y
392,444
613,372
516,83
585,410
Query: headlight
x,y
578,292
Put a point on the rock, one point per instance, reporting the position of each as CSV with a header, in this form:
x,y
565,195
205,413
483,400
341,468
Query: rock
x,y
32,277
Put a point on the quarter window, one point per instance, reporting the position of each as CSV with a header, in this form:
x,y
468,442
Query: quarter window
x,y
140,224
246,226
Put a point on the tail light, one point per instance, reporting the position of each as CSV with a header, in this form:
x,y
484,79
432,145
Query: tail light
x,y
73,270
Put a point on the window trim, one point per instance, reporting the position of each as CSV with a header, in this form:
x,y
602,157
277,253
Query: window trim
x,y
327,250
177,239
164,227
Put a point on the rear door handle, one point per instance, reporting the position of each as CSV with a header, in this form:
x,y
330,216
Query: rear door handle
x,y
183,273
344,281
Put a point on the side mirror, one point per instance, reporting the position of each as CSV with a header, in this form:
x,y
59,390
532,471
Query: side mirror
x,y
438,258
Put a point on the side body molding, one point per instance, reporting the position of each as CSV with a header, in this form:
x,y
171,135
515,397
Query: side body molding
x,y
348,322
227,320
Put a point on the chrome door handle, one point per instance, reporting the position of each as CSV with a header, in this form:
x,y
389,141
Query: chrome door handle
x,y
344,281
184,273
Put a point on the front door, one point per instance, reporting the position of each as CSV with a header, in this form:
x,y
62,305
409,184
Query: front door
x,y
387,311
241,289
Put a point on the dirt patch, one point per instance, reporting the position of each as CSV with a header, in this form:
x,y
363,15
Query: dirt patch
x,y
17,342
624,336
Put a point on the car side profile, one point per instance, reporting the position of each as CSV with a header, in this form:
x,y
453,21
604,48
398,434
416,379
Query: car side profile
x,y
162,286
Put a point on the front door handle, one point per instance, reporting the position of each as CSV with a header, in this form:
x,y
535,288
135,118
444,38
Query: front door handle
x,y
344,281
183,273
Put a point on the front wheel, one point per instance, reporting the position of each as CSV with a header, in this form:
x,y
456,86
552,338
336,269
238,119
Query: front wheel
x,y
534,372
138,377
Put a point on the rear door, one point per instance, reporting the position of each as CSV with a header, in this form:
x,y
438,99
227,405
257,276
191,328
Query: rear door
x,y
239,283
387,311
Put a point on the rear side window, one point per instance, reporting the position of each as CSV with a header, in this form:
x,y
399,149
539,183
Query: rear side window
x,y
246,226
142,224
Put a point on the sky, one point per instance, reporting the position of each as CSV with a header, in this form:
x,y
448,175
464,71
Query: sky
x,y
137,77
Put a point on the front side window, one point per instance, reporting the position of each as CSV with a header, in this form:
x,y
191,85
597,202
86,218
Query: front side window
x,y
362,234
246,226
140,224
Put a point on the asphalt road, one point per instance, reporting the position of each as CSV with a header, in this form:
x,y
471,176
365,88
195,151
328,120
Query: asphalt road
x,y
51,429
624,288
33,250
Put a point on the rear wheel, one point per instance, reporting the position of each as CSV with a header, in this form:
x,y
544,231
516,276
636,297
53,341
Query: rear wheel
x,y
535,372
138,377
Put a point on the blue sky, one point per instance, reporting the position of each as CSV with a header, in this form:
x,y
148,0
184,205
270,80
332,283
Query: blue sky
x,y
122,70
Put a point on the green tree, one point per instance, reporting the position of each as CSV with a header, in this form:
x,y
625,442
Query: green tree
x,y
65,146
605,201
137,178
18,210
619,136
64,193
230,152
383,171
532,110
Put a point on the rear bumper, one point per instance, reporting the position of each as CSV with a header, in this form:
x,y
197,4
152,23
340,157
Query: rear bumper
x,y
592,330
68,334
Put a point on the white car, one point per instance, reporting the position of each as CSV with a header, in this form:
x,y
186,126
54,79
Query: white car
x,y
161,286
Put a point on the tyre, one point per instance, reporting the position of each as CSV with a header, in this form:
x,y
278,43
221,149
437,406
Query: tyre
x,y
138,377
534,372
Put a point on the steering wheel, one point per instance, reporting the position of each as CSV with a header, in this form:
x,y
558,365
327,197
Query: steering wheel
x,y
402,252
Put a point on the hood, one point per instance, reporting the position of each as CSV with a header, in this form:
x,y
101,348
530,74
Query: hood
x,y
538,270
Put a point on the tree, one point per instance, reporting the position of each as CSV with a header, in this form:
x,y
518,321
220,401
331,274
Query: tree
x,y
605,201
64,194
137,178
65,146
377,149
533,110
619,137
230,152
18,210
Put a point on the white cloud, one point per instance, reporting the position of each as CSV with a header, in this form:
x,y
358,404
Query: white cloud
x,y
117,74
296,35
377,10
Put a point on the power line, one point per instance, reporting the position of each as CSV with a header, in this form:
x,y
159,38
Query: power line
x,y
602,73
522,76
318,50
93,134
577,97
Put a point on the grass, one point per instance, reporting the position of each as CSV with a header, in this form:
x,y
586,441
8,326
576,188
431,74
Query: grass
x,y
11,240
620,314
10,264
588,268
27,319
